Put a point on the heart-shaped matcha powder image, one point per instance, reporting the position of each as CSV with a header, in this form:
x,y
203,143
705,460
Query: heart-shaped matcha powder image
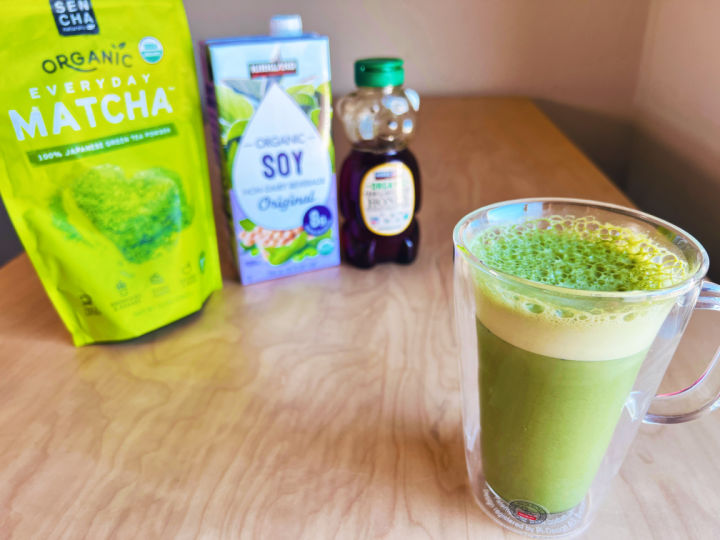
x,y
139,214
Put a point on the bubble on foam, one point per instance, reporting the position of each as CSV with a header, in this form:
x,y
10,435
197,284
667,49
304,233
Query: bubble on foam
x,y
580,253
533,307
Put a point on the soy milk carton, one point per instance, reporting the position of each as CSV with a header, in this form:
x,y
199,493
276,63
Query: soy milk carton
x,y
270,105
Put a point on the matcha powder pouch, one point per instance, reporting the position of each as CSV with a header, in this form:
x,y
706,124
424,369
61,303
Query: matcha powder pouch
x,y
102,162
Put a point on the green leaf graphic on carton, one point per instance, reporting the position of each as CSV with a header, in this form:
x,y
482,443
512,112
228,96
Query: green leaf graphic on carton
x,y
230,141
305,101
315,117
236,131
304,96
322,117
229,157
311,248
324,101
246,224
138,215
322,123
279,255
315,241
301,89
324,89
233,106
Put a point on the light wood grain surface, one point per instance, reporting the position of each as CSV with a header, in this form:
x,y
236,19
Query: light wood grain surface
x,y
324,405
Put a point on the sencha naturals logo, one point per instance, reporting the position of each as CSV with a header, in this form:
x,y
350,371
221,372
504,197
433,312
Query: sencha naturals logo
x,y
74,17
88,61
273,69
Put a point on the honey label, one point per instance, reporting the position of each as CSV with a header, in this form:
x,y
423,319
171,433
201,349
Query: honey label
x,y
387,198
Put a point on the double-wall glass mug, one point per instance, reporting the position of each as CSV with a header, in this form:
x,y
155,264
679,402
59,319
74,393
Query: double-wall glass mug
x,y
556,380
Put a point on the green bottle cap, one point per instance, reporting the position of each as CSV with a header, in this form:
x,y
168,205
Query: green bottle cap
x,y
379,72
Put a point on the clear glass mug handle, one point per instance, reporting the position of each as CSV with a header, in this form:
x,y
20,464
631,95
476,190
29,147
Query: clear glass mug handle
x,y
701,397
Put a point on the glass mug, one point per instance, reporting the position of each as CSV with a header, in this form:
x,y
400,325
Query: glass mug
x,y
555,381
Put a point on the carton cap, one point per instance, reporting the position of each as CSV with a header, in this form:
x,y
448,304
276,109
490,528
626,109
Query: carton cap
x,y
285,25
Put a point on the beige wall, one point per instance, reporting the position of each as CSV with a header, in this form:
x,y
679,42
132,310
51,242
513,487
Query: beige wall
x,y
578,59
584,54
675,160
678,90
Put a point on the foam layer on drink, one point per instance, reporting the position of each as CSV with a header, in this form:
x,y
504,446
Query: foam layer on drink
x,y
581,254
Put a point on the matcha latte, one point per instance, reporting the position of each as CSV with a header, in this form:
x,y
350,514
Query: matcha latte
x,y
555,370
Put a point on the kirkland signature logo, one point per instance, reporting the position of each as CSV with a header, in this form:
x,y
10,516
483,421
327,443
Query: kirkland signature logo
x,y
273,69
74,17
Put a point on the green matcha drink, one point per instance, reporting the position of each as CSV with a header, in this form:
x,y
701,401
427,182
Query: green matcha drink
x,y
554,376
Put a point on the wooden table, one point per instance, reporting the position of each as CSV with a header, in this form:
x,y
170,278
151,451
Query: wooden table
x,y
324,405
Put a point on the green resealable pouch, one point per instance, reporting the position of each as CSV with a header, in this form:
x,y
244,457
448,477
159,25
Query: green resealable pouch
x,y
102,162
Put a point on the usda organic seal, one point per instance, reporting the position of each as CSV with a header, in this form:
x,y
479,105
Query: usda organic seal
x,y
151,50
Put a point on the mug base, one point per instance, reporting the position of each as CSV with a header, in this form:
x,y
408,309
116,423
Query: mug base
x,y
530,519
